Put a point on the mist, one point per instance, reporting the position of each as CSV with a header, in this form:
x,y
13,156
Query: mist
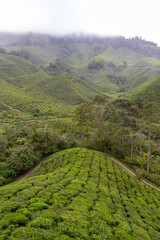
x,y
62,17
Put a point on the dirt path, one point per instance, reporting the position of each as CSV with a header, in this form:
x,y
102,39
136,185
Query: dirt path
x,y
133,174
145,182
124,167
27,174
10,107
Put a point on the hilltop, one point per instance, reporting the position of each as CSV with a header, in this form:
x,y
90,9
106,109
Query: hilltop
x,y
82,194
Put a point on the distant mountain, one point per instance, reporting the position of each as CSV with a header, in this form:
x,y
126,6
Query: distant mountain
x,y
44,72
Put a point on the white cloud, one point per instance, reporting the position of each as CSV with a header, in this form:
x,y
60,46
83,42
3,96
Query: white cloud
x,y
105,17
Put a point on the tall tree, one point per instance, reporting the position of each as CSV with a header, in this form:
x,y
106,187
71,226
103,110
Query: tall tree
x,y
98,106
150,113
83,115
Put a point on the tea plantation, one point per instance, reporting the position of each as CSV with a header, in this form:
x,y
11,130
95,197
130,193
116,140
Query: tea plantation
x,y
79,194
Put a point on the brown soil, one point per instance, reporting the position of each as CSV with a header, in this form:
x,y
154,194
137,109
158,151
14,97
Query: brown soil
x,y
27,174
133,173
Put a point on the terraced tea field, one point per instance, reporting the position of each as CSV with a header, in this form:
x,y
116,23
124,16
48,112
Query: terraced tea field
x,y
39,92
79,194
64,125
28,104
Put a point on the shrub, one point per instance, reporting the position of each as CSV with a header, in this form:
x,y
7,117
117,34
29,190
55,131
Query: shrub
x,y
14,219
139,173
2,180
3,144
38,206
10,206
42,222
22,158
26,233
45,141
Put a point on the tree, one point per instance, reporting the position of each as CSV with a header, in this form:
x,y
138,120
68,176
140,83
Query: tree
x,y
141,138
3,143
96,65
2,181
45,141
121,113
83,115
133,141
150,111
117,111
22,158
98,103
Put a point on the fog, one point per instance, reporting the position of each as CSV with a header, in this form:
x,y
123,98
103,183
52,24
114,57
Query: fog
x,y
102,17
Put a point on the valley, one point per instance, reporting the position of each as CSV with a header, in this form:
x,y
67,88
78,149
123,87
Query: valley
x,y
79,138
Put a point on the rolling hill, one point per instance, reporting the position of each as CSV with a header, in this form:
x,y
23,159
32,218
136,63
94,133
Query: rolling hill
x,y
52,75
123,70
82,194
138,94
38,90
27,89
127,63
76,193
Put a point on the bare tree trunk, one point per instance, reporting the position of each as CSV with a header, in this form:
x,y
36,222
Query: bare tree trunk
x,y
122,134
149,150
87,132
81,135
99,133
140,148
131,148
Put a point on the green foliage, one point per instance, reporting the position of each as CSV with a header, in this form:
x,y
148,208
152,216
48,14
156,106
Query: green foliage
x,y
22,158
69,89
45,141
78,193
24,144
32,234
38,206
15,219
154,177
83,116
139,94
2,180
41,222
83,195
139,173
143,159
3,144
63,125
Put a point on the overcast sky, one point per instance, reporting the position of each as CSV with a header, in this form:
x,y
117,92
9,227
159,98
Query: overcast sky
x,y
104,17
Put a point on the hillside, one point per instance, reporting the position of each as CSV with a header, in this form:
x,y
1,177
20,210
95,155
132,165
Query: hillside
x,y
43,104
82,194
138,94
28,89
44,78
12,66
48,75
109,64
40,91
